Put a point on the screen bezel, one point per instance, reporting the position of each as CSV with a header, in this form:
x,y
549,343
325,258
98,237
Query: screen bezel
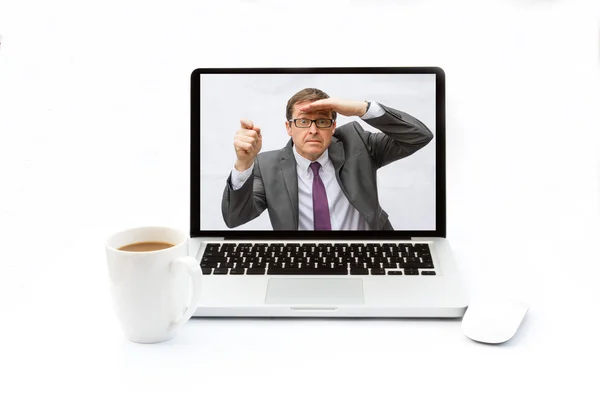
x,y
440,159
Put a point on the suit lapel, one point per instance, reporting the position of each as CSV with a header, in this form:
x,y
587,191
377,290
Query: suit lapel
x,y
336,154
338,158
287,163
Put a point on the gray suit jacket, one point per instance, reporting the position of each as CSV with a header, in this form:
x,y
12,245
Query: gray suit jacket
x,y
355,153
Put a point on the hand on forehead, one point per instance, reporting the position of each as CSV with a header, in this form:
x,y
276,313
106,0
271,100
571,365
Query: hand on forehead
x,y
300,111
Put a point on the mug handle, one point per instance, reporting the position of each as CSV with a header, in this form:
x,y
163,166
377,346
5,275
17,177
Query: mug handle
x,y
192,267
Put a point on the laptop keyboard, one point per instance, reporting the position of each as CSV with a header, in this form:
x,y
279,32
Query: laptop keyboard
x,y
317,259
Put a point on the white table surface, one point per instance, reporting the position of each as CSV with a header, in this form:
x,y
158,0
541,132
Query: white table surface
x,y
87,95
59,335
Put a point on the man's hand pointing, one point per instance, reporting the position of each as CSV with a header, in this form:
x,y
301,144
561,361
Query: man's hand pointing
x,y
247,143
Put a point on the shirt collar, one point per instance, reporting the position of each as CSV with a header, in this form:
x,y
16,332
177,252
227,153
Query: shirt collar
x,y
304,163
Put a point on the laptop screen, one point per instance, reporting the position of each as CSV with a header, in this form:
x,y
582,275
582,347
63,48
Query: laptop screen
x,y
327,150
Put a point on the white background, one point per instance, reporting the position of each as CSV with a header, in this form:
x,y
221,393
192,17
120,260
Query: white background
x,y
406,187
94,118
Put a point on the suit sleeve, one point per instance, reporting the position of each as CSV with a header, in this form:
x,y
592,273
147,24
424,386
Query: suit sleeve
x,y
402,136
246,203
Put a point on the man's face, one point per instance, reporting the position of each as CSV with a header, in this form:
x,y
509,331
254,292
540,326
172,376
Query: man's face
x,y
311,141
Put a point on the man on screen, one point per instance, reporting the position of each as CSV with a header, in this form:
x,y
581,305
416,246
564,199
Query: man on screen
x,y
325,178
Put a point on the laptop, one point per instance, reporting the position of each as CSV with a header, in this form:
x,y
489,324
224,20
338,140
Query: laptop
x,y
320,192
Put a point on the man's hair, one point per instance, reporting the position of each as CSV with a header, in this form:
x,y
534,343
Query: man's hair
x,y
308,94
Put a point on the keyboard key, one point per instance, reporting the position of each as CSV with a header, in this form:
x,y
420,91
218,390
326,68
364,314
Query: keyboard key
x,y
378,271
237,271
220,271
428,273
307,271
411,272
208,263
394,272
286,271
206,271
255,271
409,265
359,271
216,258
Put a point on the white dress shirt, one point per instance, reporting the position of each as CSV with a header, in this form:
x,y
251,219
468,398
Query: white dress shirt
x,y
343,215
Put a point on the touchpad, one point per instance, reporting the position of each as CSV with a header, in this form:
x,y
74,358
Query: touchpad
x,y
314,291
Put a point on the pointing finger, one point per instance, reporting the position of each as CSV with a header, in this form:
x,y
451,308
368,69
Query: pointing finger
x,y
246,123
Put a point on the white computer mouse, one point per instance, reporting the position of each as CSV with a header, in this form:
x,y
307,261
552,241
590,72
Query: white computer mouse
x,y
493,321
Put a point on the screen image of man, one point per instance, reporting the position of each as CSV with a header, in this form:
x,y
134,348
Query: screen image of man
x,y
325,178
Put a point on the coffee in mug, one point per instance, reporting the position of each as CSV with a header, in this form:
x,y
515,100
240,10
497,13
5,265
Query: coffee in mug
x,y
146,246
150,271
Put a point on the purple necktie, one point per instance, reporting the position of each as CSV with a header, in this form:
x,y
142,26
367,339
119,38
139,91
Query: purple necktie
x,y
320,206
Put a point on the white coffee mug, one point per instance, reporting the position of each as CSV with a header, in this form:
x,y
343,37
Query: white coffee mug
x,y
151,289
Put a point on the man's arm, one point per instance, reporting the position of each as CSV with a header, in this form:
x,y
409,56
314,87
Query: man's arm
x,y
244,196
402,134
237,178
248,201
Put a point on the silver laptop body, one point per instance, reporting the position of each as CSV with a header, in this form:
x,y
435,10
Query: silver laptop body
x,y
406,272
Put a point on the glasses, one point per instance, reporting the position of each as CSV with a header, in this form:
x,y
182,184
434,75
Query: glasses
x,y
306,123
